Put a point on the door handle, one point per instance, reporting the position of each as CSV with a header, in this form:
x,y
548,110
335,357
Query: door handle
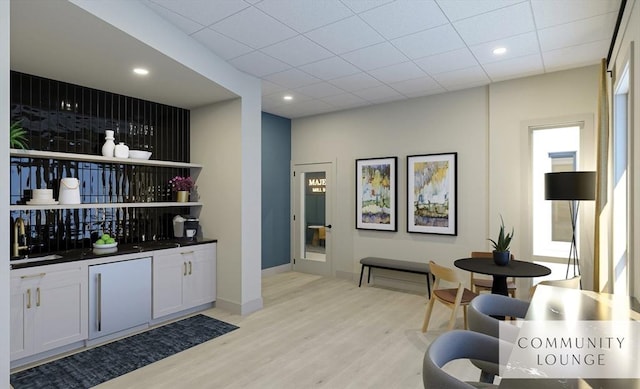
x,y
99,302
328,226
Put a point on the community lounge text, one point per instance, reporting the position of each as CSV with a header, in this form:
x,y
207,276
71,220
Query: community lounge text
x,y
574,346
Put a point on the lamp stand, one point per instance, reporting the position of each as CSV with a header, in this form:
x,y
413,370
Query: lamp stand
x,y
574,206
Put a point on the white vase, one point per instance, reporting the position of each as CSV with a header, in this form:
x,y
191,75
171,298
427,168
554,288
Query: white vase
x,y
122,150
109,146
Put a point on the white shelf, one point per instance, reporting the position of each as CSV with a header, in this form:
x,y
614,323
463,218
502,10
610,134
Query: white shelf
x,y
99,159
104,205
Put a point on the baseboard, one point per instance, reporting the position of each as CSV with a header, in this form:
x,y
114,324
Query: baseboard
x,y
240,309
276,270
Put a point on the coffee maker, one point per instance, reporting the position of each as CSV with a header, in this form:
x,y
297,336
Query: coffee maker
x,y
191,227
185,226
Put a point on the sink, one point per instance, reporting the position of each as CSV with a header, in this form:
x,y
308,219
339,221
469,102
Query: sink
x,y
37,258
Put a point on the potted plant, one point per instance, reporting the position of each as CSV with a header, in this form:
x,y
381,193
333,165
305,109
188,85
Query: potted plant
x,y
182,186
501,252
17,136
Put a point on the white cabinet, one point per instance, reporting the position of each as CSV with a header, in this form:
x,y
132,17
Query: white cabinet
x,y
48,308
183,278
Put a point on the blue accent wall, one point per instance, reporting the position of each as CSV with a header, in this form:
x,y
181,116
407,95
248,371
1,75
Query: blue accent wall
x,y
276,190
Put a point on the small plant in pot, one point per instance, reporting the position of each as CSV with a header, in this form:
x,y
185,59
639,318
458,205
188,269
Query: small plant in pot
x,y
501,254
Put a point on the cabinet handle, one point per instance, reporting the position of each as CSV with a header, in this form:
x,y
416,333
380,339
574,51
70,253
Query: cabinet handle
x,y
28,298
187,252
185,268
37,297
99,302
189,267
33,276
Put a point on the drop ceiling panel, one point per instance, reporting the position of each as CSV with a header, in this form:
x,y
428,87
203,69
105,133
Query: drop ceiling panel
x,y
574,56
375,56
504,22
429,42
305,15
517,46
201,11
577,33
358,6
320,90
446,62
258,64
224,46
473,76
551,13
345,35
253,28
417,86
409,16
330,68
297,51
456,10
382,92
504,70
292,78
399,72
355,82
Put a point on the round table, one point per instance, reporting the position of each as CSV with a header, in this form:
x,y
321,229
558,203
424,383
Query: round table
x,y
500,273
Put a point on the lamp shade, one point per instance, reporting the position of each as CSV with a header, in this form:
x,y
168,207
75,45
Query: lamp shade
x,y
570,186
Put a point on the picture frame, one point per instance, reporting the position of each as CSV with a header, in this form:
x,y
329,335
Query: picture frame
x,y
432,193
376,194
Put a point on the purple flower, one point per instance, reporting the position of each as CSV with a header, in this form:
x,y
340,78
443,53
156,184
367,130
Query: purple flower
x,y
178,183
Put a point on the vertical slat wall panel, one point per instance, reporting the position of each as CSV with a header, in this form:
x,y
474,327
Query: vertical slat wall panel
x,y
69,118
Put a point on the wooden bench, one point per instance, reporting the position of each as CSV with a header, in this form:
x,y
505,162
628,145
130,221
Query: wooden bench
x,y
395,264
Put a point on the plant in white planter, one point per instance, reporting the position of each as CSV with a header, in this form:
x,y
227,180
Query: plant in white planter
x,y
501,246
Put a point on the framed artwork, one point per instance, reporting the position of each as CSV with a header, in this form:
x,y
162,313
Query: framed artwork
x,y
376,194
432,193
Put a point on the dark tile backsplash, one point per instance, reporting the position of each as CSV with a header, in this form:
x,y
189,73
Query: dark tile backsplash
x,y
69,118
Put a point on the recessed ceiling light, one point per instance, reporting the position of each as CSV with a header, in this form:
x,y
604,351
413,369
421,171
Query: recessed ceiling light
x,y
288,97
141,71
499,50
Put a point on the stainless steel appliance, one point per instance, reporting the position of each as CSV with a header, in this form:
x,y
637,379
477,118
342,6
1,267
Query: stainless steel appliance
x,y
119,296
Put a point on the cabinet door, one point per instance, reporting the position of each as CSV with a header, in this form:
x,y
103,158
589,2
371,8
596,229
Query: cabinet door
x,y
48,308
169,271
21,344
61,309
200,283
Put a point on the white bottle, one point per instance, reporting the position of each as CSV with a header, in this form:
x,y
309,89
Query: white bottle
x,y
109,146
122,150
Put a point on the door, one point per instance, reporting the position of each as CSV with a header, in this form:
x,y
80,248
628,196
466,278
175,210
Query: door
x,y
311,230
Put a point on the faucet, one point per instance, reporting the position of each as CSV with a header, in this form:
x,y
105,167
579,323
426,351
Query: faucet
x,y
18,231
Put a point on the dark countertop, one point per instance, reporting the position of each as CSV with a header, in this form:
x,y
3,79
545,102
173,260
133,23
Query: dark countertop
x,y
89,253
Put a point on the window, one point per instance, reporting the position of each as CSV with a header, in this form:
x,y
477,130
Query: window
x,y
554,149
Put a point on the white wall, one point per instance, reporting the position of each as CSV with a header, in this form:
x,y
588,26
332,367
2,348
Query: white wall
x,y
453,122
4,190
216,138
545,99
483,125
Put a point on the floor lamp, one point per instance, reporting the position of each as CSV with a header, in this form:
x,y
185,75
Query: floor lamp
x,y
572,186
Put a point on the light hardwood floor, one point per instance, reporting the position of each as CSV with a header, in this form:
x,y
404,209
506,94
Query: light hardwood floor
x,y
314,332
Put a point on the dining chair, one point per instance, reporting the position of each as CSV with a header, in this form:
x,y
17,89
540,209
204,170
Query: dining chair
x,y
483,313
458,344
571,283
484,284
451,297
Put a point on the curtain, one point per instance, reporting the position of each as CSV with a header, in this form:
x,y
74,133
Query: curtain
x,y
601,230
